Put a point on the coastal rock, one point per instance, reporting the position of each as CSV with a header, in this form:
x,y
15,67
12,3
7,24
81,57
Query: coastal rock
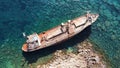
x,y
85,58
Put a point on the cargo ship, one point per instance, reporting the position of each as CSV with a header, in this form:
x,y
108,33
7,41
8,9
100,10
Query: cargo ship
x,y
59,33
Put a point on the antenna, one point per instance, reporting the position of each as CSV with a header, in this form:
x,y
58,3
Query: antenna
x,y
24,35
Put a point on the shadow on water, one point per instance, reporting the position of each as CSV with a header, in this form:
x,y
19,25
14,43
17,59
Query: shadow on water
x,y
32,57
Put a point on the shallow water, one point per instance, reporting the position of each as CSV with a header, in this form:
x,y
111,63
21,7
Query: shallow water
x,y
17,16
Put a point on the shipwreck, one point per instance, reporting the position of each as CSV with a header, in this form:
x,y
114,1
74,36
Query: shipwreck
x,y
59,33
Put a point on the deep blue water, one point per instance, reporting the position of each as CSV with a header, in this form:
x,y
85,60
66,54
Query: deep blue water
x,y
17,16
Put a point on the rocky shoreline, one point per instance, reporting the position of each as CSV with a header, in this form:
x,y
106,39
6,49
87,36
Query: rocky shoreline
x,y
85,57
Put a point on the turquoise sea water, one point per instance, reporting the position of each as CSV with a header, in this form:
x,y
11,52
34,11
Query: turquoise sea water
x,y
17,16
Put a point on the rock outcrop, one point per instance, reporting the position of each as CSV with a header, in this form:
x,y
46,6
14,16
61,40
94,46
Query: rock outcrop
x,y
85,58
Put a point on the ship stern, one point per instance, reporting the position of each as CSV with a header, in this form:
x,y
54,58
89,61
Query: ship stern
x,y
25,47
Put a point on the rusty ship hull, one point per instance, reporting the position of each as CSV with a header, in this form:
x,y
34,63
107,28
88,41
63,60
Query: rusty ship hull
x,y
59,33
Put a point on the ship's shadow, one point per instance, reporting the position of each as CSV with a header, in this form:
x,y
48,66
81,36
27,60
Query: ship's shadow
x,y
32,57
